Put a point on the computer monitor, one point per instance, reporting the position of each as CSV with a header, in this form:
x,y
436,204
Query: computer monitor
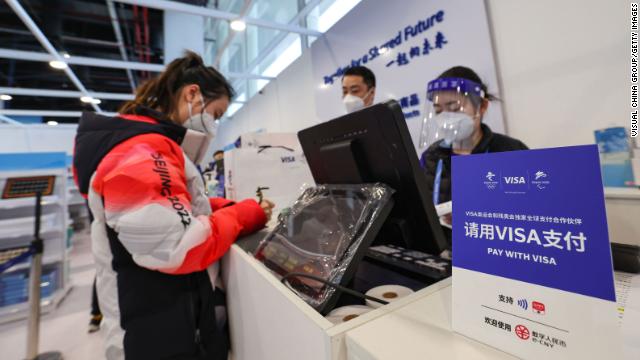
x,y
374,145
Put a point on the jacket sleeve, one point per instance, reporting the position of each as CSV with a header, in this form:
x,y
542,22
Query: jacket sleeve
x,y
146,201
219,203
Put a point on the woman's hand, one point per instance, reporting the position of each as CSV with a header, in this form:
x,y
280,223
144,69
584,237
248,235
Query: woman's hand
x,y
267,206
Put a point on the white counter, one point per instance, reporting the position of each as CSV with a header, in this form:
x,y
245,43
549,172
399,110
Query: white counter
x,y
268,321
420,330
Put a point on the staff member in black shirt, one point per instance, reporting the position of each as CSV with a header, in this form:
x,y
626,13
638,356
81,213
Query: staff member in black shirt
x,y
456,102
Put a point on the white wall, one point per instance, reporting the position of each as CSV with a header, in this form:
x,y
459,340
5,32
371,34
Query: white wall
x,y
563,67
37,138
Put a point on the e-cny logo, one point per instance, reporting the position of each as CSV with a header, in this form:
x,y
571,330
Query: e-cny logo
x,y
522,332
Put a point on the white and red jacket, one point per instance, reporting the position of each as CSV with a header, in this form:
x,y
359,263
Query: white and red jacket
x,y
156,237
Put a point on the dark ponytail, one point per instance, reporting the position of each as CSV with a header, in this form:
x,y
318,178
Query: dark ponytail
x,y
161,92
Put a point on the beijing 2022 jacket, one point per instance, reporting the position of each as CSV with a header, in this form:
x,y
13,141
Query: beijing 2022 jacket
x,y
156,238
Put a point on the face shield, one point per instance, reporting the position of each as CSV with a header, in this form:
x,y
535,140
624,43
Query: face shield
x,y
452,108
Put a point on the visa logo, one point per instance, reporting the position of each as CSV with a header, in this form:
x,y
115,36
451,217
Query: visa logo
x,y
287,159
514,180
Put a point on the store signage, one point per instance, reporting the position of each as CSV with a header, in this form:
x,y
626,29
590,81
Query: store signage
x,y
532,271
405,44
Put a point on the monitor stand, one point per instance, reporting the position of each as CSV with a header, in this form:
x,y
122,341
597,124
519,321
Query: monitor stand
x,y
395,231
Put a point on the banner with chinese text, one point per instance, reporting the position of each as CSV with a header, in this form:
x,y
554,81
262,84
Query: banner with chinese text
x,y
406,44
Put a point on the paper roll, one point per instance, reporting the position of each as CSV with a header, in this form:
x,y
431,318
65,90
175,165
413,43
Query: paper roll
x,y
346,313
388,293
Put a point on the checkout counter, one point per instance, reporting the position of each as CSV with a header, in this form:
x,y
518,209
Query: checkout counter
x,y
269,321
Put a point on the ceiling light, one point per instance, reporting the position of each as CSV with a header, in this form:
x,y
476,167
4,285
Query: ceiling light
x,y
66,55
52,122
238,25
90,100
56,64
5,97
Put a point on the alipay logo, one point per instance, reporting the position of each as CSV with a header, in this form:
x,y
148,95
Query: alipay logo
x,y
490,182
541,180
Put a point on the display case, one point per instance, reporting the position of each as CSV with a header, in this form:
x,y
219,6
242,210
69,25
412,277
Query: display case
x,y
22,172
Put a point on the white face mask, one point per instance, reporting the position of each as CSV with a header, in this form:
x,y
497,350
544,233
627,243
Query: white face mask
x,y
455,127
203,122
354,103
201,128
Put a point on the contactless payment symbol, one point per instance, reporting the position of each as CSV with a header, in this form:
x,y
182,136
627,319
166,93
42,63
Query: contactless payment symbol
x,y
523,303
522,332
538,308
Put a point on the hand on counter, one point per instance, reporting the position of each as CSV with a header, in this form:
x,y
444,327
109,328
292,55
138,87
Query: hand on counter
x,y
267,206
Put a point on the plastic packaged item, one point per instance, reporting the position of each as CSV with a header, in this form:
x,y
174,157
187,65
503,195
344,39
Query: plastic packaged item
x,y
325,234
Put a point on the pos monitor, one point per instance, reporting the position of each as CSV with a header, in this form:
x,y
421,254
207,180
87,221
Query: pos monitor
x,y
374,145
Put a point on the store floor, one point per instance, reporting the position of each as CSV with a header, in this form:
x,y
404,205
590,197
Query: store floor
x,y
65,328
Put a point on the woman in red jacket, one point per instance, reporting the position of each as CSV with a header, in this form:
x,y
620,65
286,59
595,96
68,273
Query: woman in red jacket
x,y
156,236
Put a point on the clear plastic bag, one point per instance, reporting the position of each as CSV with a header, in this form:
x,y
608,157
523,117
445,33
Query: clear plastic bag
x,y
321,235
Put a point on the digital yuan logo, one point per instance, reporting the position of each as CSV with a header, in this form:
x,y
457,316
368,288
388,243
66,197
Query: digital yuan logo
x,y
490,182
522,332
523,304
541,180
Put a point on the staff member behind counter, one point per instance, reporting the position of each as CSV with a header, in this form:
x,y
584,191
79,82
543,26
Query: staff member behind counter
x,y
456,102
156,237
358,88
